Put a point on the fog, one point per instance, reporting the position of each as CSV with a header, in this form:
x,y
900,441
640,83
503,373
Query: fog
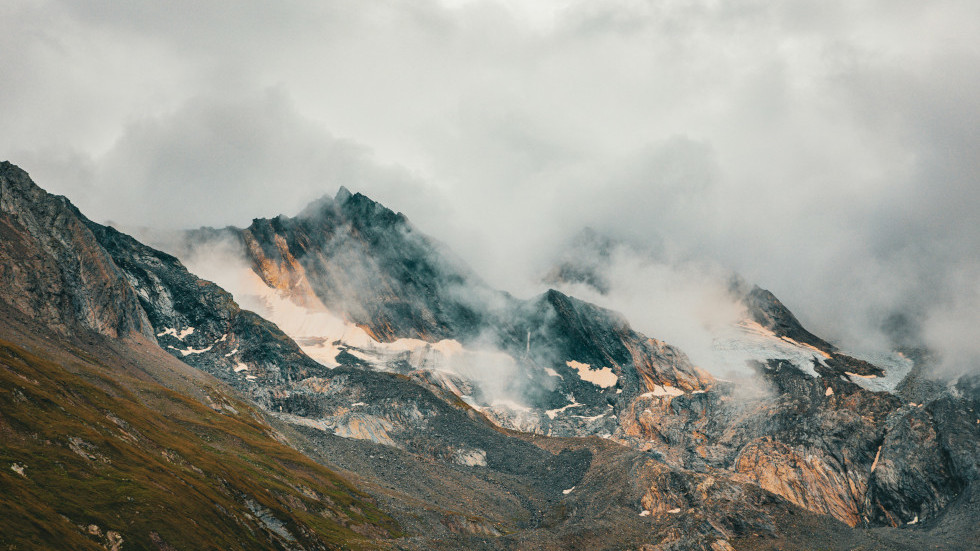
x,y
823,150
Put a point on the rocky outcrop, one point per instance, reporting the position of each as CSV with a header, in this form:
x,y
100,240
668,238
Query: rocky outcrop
x,y
200,323
824,444
928,458
370,263
52,267
766,310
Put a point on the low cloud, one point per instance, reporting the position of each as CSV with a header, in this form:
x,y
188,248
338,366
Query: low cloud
x,y
824,150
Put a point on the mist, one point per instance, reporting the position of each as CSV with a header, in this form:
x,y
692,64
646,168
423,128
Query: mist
x,y
825,151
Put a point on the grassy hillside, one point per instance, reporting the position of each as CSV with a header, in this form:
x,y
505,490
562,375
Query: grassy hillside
x,y
91,457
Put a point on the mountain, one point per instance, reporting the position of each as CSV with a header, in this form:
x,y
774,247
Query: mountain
x,y
816,436
391,291
110,443
381,395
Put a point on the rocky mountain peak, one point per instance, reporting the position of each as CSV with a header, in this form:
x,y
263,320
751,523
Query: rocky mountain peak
x,y
364,212
343,194
346,207
767,310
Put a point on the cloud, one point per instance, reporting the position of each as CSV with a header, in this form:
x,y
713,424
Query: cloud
x,y
221,162
823,149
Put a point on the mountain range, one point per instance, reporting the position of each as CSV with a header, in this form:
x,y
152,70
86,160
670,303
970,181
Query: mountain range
x,y
341,380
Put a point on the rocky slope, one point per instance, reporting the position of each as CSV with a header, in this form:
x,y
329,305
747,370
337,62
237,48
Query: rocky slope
x,y
99,451
52,268
820,434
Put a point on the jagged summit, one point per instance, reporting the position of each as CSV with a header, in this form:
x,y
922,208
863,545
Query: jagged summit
x,y
769,312
355,208
361,258
343,194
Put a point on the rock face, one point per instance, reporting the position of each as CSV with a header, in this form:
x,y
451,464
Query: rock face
x,y
199,323
53,269
766,310
361,258
929,457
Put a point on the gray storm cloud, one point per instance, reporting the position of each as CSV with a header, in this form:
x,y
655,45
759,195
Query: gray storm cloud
x,y
824,150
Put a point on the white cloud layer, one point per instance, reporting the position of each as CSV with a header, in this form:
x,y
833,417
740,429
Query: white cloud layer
x,y
824,149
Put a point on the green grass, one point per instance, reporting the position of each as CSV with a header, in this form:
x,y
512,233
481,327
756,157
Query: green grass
x,y
175,468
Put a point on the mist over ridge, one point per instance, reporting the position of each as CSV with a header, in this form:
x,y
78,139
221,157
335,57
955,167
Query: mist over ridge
x,y
812,147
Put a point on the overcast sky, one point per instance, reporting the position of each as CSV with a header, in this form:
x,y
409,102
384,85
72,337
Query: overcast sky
x,y
827,150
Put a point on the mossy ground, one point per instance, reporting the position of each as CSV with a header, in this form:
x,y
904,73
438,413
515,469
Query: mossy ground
x,y
98,447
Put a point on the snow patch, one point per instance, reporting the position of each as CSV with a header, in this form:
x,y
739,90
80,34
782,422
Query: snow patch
x,y
240,367
551,413
232,353
750,341
602,377
830,392
645,513
849,374
895,366
19,469
568,491
675,511
172,331
662,390
195,350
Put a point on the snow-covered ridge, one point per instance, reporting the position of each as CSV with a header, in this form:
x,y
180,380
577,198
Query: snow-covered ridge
x,y
750,341
895,366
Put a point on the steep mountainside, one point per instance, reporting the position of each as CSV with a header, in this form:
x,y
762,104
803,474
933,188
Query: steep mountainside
x,y
53,270
110,443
